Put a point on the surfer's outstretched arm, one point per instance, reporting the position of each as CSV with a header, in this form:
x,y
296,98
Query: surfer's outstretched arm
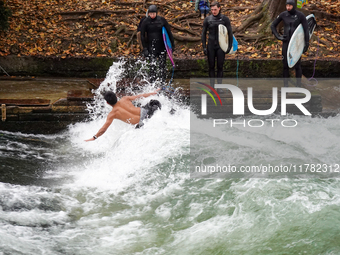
x,y
103,129
131,98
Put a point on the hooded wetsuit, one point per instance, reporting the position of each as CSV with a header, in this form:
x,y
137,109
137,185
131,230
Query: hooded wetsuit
x,y
154,41
214,50
292,19
153,44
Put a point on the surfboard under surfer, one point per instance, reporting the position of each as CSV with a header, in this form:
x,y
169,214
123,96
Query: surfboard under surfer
x,y
291,18
125,111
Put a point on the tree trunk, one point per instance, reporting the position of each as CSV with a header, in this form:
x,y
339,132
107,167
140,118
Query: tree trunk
x,y
275,7
262,18
272,9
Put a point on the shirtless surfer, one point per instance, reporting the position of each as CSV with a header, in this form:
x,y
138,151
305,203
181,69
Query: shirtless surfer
x,y
125,111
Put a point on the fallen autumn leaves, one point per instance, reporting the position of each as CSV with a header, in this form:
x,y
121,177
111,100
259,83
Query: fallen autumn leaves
x,y
66,28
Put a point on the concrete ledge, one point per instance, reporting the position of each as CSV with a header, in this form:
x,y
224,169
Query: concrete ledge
x,y
42,127
185,68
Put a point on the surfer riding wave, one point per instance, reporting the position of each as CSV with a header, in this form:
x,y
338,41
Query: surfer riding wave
x,y
125,111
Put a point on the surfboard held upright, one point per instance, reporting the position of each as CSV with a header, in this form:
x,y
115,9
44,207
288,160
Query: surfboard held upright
x,y
168,45
297,42
223,40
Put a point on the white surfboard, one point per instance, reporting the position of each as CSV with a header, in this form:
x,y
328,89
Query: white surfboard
x,y
297,41
223,39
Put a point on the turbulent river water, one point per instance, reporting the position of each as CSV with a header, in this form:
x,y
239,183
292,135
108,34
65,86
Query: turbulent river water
x,y
130,191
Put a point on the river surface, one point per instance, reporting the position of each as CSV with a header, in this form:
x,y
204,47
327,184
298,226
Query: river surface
x,y
130,191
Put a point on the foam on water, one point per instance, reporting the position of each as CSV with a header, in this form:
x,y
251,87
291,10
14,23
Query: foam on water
x,y
311,141
124,150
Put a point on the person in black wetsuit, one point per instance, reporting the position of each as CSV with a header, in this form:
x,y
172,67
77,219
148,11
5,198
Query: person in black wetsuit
x,y
291,19
153,45
214,50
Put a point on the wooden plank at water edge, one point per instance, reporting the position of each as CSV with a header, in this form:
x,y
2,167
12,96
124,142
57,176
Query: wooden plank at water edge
x,y
79,95
26,102
3,112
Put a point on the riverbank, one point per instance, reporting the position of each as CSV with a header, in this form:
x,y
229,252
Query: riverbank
x,y
108,28
97,67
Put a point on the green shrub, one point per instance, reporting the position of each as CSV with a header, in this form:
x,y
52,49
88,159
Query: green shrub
x,y
5,13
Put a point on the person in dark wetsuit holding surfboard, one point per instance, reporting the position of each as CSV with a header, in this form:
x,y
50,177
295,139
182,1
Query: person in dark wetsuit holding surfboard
x,y
153,44
214,51
291,19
